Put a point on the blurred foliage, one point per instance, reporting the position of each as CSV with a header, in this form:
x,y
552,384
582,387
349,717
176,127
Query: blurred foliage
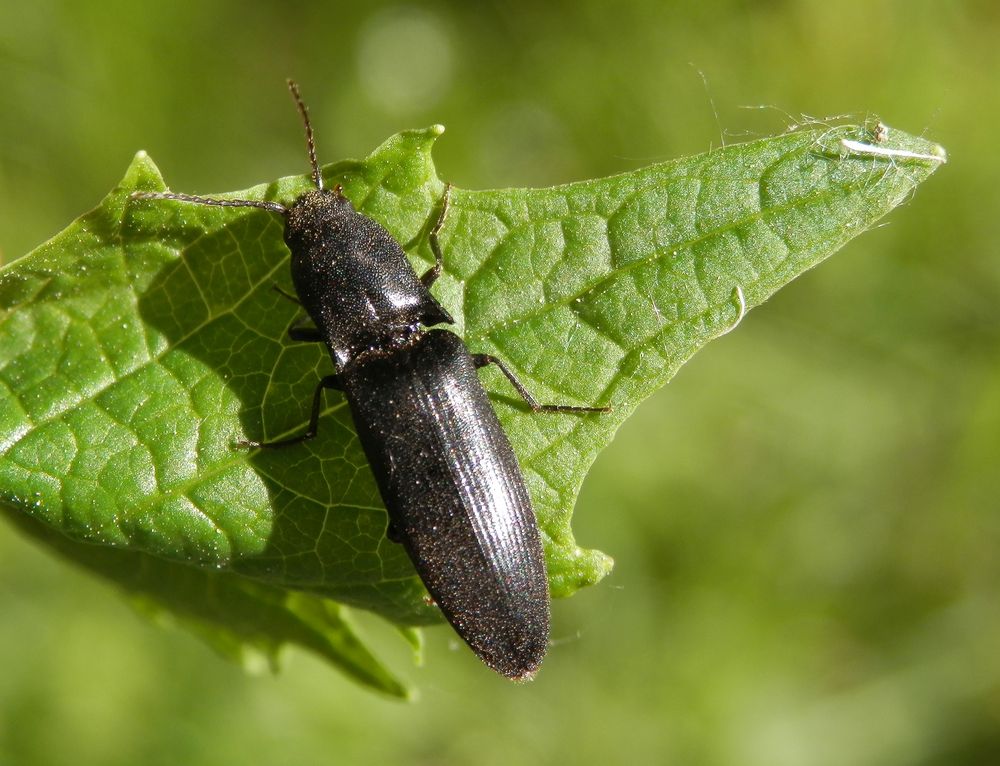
x,y
804,522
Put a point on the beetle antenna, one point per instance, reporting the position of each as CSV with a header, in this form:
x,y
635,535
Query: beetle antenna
x,y
274,207
310,143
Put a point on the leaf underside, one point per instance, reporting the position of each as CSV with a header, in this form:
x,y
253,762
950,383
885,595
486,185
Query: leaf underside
x,y
144,340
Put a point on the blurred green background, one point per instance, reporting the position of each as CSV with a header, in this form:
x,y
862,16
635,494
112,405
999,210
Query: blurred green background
x,y
805,521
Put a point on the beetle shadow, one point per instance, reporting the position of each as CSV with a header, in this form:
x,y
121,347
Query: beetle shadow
x,y
307,516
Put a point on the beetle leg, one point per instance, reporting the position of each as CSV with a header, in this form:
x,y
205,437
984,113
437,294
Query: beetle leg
x,y
481,360
305,334
431,275
284,293
392,533
296,333
330,381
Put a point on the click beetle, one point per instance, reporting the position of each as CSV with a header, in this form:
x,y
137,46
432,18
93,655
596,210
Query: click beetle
x,y
447,474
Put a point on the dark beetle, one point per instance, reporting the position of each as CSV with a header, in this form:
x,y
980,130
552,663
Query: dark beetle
x,y
446,471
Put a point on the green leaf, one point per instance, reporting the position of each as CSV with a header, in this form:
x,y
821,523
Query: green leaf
x,y
145,339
